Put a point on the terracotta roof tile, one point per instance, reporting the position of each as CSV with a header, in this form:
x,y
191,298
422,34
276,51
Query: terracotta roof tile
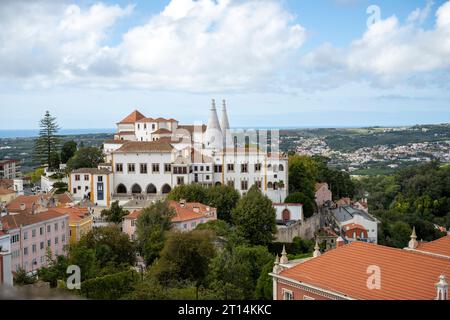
x,y
92,171
145,146
75,214
6,191
16,220
440,246
161,131
405,275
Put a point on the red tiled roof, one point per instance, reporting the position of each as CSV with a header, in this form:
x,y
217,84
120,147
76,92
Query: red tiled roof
x,y
156,120
132,118
75,214
112,141
440,246
185,213
133,215
405,275
13,221
145,146
126,133
352,226
15,205
162,130
6,191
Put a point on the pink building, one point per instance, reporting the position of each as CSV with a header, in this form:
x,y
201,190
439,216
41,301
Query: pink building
x,y
188,215
33,234
323,194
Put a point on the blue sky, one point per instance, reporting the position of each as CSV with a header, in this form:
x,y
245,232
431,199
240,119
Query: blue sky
x,y
277,63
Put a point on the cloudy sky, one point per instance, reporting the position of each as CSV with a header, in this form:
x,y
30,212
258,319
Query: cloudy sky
x,y
277,63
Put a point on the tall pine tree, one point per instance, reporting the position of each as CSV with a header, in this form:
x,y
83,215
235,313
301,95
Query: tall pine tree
x,y
48,141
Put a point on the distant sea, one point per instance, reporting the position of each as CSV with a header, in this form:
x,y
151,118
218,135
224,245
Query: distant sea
x,y
64,132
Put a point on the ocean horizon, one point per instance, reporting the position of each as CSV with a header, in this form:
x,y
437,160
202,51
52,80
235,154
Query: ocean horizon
x,y
31,133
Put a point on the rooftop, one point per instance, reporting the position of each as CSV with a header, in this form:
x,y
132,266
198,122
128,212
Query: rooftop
x,y
6,191
347,212
145,146
92,171
405,275
23,219
440,246
132,118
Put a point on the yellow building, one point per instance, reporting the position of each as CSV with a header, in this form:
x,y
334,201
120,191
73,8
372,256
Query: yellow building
x,y
80,222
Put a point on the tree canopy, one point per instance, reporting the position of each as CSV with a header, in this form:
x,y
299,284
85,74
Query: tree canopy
x,y
47,142
254,217
86,157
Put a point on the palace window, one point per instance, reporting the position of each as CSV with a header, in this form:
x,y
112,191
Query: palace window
x,y
257,166
77,177
155,167
100,179
244,168
119,167
218,169
244,185
143,168
180,180
230,167
131,168
86,177
167,167
288,295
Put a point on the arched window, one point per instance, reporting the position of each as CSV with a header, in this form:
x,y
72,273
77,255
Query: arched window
x,y
270,185
151,189
121,189
218,184
166,189
136,189
280,167
275,186
286,215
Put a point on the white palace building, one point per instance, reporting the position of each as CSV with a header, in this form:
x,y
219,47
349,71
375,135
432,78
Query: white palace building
x,y
150,156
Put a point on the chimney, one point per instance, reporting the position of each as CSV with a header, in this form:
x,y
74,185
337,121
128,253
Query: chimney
x,y
442,288
340,242
183,203
196,209
317,252
413,244
284,259
23,206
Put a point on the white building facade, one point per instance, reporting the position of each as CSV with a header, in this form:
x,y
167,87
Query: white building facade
x,y
151,156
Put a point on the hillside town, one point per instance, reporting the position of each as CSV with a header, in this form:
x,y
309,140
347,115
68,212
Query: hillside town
x,y
157,165
393,156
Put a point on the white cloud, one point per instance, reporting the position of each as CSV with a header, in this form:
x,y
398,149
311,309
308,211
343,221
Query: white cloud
x,y
190,45
389,52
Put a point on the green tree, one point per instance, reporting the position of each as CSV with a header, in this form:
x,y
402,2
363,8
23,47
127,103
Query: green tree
x,y
302,175
48,141
151,228
300,197
185,257
235,272
54,161
111,286
254,217
21,278
68,151
224,199
188,192
264,285
115,213
87,157
112,247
